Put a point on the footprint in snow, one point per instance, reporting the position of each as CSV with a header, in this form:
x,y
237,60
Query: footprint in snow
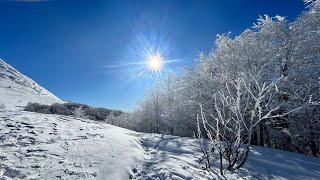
x,y
35,150
13,173
24,123
10,125
30,126
26,141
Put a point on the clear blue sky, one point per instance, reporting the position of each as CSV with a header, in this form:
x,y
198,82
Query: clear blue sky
x,y
65,46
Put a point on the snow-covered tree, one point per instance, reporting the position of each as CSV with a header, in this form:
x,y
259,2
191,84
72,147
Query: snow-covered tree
x,y
239,108
273,51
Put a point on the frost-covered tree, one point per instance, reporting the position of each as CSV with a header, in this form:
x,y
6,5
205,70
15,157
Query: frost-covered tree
x,y
240,107
303,82
273,50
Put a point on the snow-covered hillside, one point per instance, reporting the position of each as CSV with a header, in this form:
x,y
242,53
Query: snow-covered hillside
x,y
16,89
46,146
41,146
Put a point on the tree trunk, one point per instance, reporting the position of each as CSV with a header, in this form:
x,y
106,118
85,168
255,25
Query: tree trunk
x,y
261,127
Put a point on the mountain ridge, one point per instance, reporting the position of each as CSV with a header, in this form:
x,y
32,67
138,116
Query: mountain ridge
x,y
9,72
17,89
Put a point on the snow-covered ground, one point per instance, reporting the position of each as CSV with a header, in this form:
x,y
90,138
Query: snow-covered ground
x,y
40,146
43,146
177,158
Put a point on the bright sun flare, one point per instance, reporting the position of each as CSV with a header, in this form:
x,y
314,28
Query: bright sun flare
x,y
155,62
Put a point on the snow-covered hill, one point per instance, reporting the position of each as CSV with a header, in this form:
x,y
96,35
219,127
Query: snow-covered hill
x,y
16,89
46,146
42,146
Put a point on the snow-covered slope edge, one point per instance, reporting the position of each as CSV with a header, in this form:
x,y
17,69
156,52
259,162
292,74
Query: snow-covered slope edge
x,y
16,89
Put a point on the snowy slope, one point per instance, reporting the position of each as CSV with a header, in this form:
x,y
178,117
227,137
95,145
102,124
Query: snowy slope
x,y
39,146
42,146
45,146
16,89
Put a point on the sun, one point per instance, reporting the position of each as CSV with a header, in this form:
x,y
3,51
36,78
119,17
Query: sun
x,y
149,56
155,62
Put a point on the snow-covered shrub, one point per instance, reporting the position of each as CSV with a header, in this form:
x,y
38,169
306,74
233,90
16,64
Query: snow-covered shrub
x,y
68,109
238,109
36,107
112,119
57,108
79,112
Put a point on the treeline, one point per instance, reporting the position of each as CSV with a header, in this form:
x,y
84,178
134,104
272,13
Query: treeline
x,y
73,109
261,87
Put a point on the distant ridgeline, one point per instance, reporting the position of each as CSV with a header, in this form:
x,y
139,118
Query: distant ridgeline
x,y
73,109
10,73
